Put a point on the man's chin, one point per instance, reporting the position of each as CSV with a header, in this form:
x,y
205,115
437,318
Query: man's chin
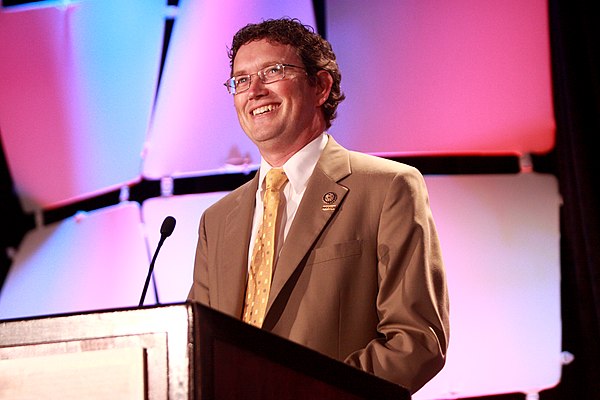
x,y
261,136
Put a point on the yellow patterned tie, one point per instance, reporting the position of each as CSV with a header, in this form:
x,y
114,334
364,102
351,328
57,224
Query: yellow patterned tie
x,y
263,256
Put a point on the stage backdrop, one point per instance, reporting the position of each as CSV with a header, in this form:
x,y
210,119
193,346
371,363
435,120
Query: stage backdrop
x,y
85,111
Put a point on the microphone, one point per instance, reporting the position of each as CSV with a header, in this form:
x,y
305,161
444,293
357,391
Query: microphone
x,y
166,230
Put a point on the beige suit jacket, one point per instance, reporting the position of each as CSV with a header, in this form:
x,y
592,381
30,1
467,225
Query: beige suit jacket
x,y
359,278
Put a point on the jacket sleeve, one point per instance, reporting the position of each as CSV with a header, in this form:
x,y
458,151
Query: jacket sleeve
x,y
199,291
412,301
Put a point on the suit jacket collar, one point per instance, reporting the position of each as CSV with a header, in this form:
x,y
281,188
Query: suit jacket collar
x,y
315,211
233,250
320,202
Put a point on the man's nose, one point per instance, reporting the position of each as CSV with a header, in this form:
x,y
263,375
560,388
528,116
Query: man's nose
x,y
257,87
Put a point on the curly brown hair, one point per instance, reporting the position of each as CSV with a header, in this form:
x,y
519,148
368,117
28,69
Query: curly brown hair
x,y
316,53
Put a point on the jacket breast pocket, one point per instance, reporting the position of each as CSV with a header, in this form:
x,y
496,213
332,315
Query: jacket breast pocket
x,y
336,251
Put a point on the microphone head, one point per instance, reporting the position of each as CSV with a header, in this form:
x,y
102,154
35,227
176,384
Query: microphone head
x,y
167,227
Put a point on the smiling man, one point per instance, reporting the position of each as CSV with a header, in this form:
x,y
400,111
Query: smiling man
x,y
330,248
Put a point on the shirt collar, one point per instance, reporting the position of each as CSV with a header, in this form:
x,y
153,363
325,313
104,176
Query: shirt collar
x,y
300,166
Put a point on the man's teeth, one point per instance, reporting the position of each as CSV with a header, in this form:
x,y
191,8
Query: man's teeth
x,y
263,109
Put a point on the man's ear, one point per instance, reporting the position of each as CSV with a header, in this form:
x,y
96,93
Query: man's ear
x,y
323,87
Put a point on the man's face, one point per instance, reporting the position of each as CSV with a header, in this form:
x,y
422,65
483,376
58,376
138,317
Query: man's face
x,y
279,115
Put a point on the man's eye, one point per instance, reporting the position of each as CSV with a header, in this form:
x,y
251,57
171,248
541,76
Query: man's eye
x,y
241,80
273,70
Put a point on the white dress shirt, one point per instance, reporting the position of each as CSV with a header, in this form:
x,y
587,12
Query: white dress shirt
x,y
298,169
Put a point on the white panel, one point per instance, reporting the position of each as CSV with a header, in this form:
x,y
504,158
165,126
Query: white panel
x,y
195,127
500,240
78,84
91,261
443,76
174,265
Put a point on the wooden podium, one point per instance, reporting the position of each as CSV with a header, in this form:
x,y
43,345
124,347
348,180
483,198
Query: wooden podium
x,y
179,351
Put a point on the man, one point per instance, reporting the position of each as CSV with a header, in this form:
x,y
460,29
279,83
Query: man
x,y
357,272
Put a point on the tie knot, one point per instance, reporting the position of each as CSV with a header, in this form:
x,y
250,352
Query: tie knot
x,y
275,179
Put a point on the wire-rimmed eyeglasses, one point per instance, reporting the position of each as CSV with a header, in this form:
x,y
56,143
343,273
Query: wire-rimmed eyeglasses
x,y
269,74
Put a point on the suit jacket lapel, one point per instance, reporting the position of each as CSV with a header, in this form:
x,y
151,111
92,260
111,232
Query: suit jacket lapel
x,y
314,212
234,268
